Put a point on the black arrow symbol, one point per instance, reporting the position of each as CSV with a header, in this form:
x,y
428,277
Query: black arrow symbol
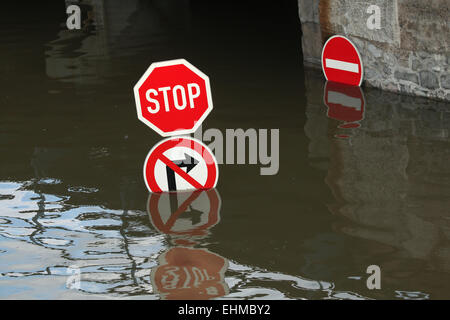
x,y
188,162
193,214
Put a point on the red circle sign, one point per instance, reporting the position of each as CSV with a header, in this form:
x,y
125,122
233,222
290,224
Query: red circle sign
x,y
341,61
173,97
179,164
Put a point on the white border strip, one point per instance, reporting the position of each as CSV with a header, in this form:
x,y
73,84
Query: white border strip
x,y
341,65
344,100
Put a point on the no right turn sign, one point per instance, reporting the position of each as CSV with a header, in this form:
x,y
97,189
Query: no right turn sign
x,y
180,164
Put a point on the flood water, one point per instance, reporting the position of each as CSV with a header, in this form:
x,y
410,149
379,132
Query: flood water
x,y
360,186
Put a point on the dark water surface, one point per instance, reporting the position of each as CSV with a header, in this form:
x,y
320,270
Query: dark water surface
x,y
354,188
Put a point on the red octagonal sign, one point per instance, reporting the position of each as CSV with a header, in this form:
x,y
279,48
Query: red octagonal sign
x,y
173,97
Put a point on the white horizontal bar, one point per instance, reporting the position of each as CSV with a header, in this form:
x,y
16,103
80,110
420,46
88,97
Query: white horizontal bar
x,y
342,65
344,100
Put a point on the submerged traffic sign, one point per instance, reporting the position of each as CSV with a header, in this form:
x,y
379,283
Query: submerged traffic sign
x,y
178,164
341,61
173,97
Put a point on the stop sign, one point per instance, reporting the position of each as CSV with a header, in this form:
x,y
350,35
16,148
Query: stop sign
x,y
173,97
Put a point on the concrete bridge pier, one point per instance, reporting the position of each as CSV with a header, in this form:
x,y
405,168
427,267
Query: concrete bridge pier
x,y
404,44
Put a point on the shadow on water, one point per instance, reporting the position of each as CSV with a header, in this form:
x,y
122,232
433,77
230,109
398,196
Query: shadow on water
x,y
358,185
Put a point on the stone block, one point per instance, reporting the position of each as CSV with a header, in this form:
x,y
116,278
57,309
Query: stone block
x,y
429,80
312,43
308,10
406,76
374,51
370,73
424,25
445,81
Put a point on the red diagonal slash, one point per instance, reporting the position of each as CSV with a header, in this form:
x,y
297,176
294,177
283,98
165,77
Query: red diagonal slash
x,y
180,172
169,224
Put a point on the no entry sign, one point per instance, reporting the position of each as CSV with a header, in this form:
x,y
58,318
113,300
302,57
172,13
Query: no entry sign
x,y
345,103
173,97
178,164
341,61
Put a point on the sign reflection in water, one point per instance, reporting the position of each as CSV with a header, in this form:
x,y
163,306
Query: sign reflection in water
x,y
184,272
386,195
345,103
388,178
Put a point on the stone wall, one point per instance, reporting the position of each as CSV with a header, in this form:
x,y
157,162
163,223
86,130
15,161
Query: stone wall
x,y
408,54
